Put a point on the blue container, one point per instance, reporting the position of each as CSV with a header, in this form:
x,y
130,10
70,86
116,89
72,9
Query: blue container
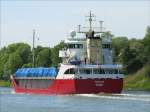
x,y
37,72
40,72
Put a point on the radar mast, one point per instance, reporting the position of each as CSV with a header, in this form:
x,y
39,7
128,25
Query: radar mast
x,y
90,19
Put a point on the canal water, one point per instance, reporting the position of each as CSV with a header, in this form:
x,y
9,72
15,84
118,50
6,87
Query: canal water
x,y
128,101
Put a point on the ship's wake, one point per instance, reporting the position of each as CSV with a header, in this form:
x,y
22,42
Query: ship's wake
x,y
136,97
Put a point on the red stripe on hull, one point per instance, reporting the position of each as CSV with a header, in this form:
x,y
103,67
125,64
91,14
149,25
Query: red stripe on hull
x,y
76,86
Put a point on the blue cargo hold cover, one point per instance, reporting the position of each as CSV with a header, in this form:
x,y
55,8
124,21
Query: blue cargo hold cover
x,y
36,72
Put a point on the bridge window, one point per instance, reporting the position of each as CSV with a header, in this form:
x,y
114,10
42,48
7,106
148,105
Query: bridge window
x,y
70,71
85,71
111,71
75,46
71,46
106,46
105,71
80,46
98,71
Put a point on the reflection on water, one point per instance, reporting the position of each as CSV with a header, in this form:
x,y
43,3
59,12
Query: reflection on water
x,y
128,101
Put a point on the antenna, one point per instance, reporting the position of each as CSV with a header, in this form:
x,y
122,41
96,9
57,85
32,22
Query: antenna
x,y
90,19
79,28
101,25
33,56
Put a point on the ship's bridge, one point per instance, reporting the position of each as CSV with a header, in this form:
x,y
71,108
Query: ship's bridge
x,y
75,43
74,50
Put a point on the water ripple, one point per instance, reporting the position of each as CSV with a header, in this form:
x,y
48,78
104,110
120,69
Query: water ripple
x,y
139,97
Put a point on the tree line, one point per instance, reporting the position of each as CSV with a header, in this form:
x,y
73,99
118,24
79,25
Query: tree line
x,y
19,55
132,53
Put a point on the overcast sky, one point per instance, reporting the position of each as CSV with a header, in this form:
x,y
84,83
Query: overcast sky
x,y
54,19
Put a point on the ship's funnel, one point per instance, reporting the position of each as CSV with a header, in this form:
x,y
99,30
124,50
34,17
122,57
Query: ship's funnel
x,y
94,48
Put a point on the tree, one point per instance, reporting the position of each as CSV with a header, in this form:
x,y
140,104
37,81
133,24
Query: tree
x,y
3,60
118,44
131,56
55,53
146,43
13,57
44,58
27,65
24,50
14,62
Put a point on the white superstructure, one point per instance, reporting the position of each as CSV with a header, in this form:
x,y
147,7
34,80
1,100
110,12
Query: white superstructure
x,y
79,49
89,55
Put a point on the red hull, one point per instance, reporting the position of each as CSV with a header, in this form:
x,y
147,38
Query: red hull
x,y
77,86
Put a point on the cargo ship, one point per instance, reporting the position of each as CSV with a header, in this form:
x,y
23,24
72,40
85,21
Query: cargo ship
x,y
87,67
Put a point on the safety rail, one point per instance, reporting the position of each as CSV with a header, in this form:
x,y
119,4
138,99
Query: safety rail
x,y
34,77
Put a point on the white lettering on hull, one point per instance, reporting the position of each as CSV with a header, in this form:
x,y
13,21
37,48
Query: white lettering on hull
x,y
99,83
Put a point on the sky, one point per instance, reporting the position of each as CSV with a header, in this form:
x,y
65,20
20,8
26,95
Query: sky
x,y
53,20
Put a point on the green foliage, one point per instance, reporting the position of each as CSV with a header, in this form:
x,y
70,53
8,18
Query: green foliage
x,y
133,53
28,65
19,55
146,42
5,83
138,80
131,56
44,58
14,62
3,60
13,57
118,44
147,70
55,54
24,51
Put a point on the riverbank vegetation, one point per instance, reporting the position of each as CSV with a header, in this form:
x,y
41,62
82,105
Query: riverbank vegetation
x,y
138,81
133,53
5,83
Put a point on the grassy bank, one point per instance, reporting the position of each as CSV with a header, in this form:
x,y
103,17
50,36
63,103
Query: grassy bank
x,y
5,83
137,81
